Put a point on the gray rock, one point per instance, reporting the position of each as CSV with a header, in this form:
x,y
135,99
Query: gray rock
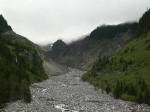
x,y
75,96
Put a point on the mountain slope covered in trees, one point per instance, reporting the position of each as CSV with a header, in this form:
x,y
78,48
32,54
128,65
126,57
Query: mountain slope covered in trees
x,y
20,65
102,41
126,73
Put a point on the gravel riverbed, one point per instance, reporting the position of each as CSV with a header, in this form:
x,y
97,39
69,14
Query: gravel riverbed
x,y
68,93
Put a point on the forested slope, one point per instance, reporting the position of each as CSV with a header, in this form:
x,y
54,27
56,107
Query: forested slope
x,y
127,72
20,65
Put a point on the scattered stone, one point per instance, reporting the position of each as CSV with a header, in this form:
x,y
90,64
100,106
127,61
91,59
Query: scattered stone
x,y
67,93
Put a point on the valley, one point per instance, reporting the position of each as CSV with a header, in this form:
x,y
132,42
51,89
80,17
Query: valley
x,y
107,70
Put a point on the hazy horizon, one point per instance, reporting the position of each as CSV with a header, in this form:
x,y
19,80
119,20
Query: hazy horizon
x,y
47,21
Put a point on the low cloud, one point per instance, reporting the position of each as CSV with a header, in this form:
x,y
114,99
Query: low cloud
x,y
45,21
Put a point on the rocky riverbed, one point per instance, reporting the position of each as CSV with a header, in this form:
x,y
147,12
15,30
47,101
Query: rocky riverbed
x,y
68,93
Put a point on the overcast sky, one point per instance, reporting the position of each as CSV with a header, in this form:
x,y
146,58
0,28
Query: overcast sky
x,y
45,21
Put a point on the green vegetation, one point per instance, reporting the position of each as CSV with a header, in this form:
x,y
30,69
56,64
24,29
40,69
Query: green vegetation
x,y
110,31
126,74
20,66
102,41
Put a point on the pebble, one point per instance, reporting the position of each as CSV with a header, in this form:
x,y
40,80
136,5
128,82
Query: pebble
x,y
68,93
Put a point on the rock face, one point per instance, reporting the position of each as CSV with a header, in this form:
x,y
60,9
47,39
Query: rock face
x,y
68,93
103,41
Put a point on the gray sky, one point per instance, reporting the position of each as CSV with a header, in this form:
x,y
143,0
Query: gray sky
x,y
45,21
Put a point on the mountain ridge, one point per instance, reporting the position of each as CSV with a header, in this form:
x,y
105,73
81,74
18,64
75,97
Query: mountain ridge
x,y
126,74
3,25
102,41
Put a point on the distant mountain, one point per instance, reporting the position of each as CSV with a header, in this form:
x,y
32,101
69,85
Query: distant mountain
x,y
126,73
20,65
103,41
51,67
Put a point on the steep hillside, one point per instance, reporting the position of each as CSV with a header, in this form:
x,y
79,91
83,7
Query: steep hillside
x,y
103,41
127,72
50,66
20,65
